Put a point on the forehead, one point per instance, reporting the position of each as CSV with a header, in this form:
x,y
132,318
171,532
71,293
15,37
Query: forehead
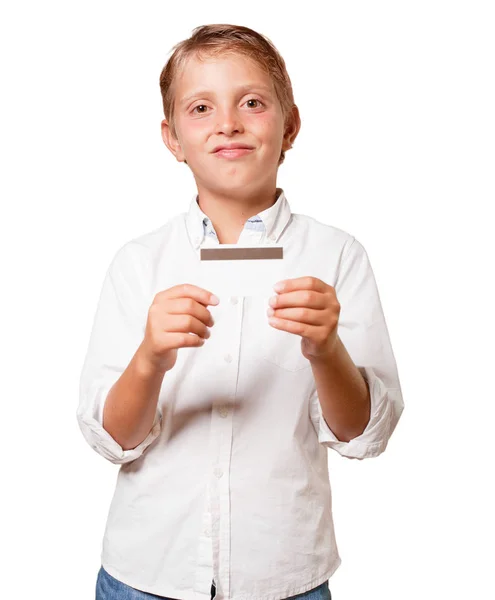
x,y
222,71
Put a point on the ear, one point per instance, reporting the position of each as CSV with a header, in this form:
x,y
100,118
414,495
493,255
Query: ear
x,y
292,127
170,140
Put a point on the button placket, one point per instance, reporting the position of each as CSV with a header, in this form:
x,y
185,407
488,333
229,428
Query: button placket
x,y
215,530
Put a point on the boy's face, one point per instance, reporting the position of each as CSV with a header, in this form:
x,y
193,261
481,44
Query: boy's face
x,y
221,101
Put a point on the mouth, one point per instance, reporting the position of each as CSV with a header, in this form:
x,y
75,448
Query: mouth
x,y
232,152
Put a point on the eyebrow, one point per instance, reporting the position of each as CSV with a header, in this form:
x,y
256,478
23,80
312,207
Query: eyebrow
x,y
242,88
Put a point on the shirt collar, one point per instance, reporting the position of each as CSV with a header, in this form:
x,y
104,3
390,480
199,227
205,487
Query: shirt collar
x,y
271,221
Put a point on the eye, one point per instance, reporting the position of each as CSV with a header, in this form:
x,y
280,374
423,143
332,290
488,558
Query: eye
x,y
203,106
199,106
254,100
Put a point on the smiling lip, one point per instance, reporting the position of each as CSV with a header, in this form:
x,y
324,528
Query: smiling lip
x,y
232,152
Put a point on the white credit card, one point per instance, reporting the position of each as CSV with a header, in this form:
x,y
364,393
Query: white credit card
x,y
233,270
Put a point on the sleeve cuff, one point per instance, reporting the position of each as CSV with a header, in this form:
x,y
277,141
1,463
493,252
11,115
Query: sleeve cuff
x,y
373,440
105,445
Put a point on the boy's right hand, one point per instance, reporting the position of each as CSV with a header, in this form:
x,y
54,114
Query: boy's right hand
x,y
177,318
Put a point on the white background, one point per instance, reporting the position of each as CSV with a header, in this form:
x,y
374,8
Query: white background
x,y
396,147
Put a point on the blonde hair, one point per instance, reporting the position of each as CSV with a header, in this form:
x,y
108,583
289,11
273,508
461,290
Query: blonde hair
x,y
217,40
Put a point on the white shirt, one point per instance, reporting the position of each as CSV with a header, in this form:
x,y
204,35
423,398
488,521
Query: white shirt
x,y
232,482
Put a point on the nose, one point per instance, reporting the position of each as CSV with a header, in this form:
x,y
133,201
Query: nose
x,y
229,121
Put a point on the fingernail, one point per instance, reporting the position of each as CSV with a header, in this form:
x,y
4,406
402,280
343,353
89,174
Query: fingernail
x,y
214,299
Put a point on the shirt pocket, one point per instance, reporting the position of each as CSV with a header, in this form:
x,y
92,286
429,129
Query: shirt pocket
x,y
279,347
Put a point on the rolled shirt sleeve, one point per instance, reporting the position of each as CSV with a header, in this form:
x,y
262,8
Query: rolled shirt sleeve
x,y
118,330
363,331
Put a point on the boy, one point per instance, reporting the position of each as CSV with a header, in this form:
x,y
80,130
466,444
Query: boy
x,y
223,488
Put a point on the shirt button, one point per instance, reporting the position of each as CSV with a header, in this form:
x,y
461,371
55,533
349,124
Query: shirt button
x,y
233,299
224,411
218,472
228,358
207,532
273,237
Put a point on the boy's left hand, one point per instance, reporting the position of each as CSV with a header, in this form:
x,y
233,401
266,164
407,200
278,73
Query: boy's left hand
x,y
308,307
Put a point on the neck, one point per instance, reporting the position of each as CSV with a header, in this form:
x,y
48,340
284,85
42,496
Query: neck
x,y
230,213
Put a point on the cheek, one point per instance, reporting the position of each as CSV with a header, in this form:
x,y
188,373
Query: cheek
x,y
267,128
192,133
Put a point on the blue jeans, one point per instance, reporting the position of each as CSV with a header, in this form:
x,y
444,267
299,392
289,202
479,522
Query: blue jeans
x,y
109,588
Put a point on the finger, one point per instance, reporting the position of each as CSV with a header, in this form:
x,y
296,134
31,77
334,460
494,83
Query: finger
x,y
189,306
309,298
187,324
304,315
301,283
188,290
182,340
290,326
